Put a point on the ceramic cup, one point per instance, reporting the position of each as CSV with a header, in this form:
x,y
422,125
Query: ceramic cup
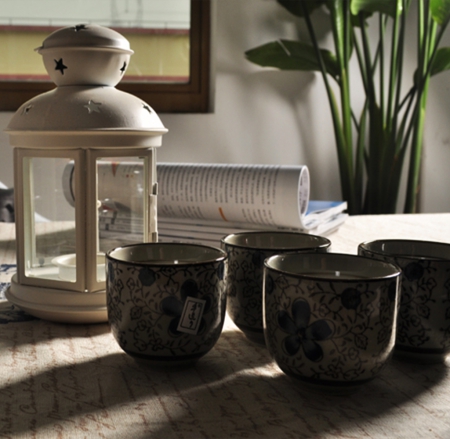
x,y
166,302
423,330
246,253
329,319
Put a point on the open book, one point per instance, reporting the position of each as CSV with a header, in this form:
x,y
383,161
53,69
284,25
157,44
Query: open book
x,y
204,202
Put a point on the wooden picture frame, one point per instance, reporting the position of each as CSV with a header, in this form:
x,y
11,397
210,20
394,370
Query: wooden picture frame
x,y
191,97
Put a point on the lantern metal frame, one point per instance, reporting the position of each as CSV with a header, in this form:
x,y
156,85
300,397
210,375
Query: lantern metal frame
x,y
84,119
82,301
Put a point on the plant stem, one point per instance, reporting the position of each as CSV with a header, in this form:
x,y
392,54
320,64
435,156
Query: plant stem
x,y
391,110
359,159
340,24
360,63
392,162
341,141
426,51
372,203
381,75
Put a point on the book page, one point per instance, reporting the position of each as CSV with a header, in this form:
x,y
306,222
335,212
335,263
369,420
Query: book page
x,y
257,194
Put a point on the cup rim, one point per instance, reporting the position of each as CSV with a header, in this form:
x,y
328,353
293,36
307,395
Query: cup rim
x,y
220,255
364,246
326,243
394,270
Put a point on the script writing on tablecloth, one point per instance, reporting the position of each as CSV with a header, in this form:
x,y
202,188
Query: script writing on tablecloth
x,y
9,313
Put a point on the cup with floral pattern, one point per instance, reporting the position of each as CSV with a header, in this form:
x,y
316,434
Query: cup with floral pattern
x,y
246,253
423,329
329,319
166,302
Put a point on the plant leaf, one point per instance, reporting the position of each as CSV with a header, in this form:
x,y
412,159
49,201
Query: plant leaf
x,y
294,7
389,7
441,61
440,11
292,55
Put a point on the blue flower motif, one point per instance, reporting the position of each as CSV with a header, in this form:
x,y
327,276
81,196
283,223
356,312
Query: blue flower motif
x,y
147,276
258,258
413,271
351,298
303,334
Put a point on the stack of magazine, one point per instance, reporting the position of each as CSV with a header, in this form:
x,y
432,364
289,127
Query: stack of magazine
x,y
202,203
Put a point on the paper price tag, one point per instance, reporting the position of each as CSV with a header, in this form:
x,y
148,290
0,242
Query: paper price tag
x,y
192,315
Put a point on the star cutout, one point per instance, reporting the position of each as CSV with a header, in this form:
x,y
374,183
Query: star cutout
x,y
93,107
60,66
27,109
79,27
146,107
124,67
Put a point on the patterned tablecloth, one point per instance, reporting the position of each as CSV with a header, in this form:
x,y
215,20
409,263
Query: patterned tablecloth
x,y
73,381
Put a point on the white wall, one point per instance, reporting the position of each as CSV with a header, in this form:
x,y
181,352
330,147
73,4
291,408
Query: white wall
x,y
261,116
264,116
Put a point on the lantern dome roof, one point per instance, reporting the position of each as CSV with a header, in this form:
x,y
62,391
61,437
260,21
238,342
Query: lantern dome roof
x,y
86,54
85,62
85,35
80,108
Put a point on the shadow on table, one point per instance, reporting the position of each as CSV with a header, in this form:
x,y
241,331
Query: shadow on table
x,y
274,406
19,328
234,391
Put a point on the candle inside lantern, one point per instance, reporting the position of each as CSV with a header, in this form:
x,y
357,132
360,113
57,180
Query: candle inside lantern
x,y
67,265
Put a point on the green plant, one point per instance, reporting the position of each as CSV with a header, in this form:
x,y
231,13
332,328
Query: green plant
x,y
373,142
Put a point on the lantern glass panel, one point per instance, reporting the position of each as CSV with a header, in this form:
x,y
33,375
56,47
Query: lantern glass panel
x,y
51,221
121,198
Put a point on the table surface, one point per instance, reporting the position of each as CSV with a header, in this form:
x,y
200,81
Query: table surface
x,y
73,381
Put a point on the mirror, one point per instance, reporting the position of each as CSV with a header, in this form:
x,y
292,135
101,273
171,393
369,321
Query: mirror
x,y
178,31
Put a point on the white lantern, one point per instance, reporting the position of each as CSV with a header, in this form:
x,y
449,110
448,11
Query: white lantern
x,y
69,143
